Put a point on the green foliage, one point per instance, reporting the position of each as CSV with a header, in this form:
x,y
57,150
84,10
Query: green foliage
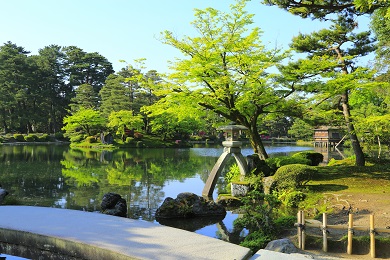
x,y
301,130
29,138
291,198
119,119
256,240
350,161
255,181
224,70
85,122
276,162
91,139
293,176
315,158
34,137
233,174
43,138
19,137
286,222
258,218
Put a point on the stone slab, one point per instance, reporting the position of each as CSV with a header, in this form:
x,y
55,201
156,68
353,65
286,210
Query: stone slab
x,y
96,235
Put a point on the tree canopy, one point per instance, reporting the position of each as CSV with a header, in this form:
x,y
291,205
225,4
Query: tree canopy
x,y
227,69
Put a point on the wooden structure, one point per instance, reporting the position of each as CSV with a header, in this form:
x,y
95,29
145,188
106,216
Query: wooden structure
x,y
327,136
371,230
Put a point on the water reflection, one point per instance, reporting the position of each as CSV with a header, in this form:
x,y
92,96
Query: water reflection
x,y
57,176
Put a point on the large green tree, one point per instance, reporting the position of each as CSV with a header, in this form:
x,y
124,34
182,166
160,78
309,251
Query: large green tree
x,y
225,69
15,83
86,68
322,9
331,71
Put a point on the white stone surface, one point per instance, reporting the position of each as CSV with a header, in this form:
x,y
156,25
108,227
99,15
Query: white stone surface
x,y
135,238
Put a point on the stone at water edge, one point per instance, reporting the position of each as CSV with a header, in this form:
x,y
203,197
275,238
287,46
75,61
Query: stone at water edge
x,y
188,205
114,204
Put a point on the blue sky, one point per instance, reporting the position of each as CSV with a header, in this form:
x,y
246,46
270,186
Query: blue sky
x,y
128,29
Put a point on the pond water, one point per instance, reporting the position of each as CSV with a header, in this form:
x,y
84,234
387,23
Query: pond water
x,y
57,176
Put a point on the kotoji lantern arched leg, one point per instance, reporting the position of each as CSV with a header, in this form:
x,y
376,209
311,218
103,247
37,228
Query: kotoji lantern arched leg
x,y
241,162
214,174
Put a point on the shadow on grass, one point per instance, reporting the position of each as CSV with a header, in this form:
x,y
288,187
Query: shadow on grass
x,y
326,187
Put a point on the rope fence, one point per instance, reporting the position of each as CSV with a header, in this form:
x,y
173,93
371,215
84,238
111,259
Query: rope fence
x,y
324,227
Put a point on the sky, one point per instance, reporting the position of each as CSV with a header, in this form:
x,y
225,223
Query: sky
x,y
129,29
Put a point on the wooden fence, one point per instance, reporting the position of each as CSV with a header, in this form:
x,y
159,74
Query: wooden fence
x,y
372,230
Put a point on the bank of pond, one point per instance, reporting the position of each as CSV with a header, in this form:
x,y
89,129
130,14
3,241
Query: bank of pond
x,y
62,177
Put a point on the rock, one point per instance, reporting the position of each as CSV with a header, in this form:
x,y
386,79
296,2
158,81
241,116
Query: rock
x,y
267,184
114,204
239,189
281,245
188,205
3,194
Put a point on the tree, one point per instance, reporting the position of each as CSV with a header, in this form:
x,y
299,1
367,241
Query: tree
x,y
330,71
301,130
85,98
119,119
85,122
54,92
15,76
226,70
87,68
321,9
114,95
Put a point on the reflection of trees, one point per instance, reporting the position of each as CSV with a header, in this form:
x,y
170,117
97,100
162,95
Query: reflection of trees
x,y
137,175
52,175
32,173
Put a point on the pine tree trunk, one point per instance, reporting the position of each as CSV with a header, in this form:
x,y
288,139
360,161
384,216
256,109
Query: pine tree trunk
x,y
360,160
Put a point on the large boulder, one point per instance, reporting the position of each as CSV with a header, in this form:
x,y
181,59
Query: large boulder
x,y
113,204
281,245
188,205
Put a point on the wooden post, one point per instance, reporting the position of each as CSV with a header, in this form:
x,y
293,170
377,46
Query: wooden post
x,y
372,236
303,229
324,232
299,229
350,234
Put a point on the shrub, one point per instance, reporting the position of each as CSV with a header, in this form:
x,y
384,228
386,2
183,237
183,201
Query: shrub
x,y
292,198
129,140
44,138
140,144
276,162
315,158
233,174
258,166
19,137
29,138
77,138
91,139
293,176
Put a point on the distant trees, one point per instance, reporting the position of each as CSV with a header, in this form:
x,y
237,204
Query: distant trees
x,y
36,90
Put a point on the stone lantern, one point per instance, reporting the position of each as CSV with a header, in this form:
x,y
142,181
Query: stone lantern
x,y
232,146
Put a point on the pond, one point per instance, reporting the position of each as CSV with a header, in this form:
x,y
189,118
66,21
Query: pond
x,y
57,176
